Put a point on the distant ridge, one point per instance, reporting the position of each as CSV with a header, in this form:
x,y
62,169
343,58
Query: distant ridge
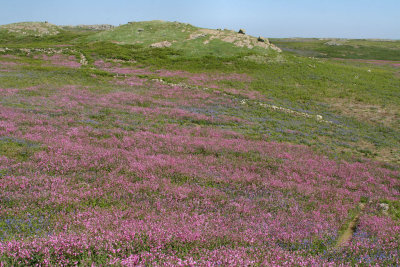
x,y
97,27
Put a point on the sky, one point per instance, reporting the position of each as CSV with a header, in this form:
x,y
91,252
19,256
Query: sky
x,y
268,18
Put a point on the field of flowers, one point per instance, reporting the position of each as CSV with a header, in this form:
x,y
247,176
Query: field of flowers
x,y
130,165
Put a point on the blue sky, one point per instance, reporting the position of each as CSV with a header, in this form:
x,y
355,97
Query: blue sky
x,y
269,18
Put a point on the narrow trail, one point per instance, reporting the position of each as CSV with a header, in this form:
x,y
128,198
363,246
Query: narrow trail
x,y
347,235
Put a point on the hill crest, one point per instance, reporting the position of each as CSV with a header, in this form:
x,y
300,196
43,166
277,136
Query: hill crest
x,y
37,29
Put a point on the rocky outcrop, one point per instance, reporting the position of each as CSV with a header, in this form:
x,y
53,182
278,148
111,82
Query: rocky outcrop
x,y
263,40
238,39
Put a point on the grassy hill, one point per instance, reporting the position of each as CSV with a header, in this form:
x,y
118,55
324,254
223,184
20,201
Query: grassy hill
x,y
192,41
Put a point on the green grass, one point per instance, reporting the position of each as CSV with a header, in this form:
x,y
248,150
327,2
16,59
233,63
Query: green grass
x,y
150,32
24,225
17,149
350,49
394,208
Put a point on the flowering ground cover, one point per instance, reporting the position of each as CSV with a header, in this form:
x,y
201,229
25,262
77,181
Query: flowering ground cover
x,y
60,60
126,163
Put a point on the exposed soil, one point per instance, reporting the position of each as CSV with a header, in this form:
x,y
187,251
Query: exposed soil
x,y
367,112
347,235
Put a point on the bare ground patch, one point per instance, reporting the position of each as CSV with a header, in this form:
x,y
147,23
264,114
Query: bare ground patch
x,y
388,115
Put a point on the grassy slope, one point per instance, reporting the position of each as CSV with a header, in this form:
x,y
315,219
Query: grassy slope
x,y
178,34
151,32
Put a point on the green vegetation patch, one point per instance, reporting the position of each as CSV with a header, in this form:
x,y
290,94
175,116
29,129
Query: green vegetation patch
x,y
23,226
341,48
394,207
17,149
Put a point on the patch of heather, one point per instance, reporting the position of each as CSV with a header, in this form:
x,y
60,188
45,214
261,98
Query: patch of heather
x,y
8,66
205,79
9,56
8,92
60,60
8,63
154,174
102,64
196,79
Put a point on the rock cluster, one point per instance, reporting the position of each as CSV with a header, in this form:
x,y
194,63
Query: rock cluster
x,y
384,207
98,27
197,35
238,39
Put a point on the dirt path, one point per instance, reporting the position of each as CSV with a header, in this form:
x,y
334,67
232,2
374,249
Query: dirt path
x,y
347,235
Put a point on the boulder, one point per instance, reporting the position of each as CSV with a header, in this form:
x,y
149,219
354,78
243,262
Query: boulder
x,y
384,207
196,36
161,44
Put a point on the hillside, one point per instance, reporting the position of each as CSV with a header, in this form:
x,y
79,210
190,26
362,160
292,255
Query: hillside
x,y
38,29
216,150
185,37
